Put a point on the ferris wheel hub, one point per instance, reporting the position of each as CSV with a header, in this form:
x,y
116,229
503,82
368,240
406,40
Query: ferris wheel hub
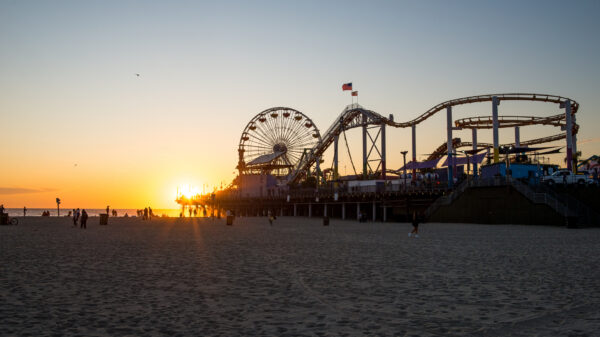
x,y
280,147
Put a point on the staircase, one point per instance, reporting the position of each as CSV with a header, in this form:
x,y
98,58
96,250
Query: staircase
x,y
568,207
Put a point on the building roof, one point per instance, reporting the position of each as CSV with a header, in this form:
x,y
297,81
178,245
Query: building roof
x,y
265,158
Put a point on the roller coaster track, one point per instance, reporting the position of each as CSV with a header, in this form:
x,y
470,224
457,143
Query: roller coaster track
x,y
486,122
355,116
536,141
457,144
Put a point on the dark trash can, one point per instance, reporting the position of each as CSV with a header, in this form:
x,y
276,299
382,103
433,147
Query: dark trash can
x,y
103,219
229,220
326,221
572,222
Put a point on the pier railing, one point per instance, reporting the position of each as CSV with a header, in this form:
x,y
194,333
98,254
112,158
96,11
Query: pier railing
x,y
344,191
375,192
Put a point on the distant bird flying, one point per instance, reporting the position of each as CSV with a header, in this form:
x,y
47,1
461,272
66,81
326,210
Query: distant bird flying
x,y
136,74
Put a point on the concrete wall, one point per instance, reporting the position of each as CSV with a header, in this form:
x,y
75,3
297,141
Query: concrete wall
x,y
496,205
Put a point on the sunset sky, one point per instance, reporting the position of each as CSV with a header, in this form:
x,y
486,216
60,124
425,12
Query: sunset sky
x,y
78,124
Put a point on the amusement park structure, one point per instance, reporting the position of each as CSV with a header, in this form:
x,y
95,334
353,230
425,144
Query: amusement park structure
x,y
296,147
274,140
281,150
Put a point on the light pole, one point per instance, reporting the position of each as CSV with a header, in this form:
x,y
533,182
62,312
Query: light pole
x,y
404,156
466,153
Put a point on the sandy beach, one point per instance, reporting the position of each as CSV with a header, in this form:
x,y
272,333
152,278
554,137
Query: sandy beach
x,y
198,277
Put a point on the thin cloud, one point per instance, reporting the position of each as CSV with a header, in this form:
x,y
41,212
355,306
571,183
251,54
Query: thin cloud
x,y
589,140
23,190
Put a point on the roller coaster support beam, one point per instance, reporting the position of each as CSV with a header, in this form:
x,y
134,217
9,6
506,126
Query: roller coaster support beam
x,y
574,144
383,175
318,169
474,136
335,157
517,137
495,103
364,144
414,151
449,145
569,127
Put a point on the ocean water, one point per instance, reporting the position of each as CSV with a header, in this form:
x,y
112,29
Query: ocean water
x,y
95,212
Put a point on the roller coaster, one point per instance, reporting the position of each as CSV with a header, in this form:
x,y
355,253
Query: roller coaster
x,y
274,146
486,122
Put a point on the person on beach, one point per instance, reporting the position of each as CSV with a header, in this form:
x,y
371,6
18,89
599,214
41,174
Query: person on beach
x,y
107,208
75,217
145,213
415,223
150,214
2,209
271,218
84,217
24,211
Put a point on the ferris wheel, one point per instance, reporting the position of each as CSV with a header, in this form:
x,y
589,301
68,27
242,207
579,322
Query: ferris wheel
x,y
275,140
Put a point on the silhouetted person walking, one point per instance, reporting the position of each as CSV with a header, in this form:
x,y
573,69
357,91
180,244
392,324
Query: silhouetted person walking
x,y
24,211
75,217
84,217
415,223
271,217
146,213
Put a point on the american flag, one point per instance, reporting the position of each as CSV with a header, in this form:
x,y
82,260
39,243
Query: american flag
x,y
347,86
